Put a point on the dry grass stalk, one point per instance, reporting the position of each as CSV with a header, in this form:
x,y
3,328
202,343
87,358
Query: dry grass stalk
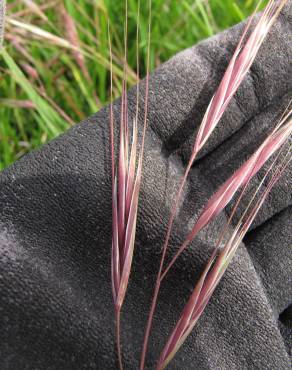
x,y
36,9
73,37
2,20
14,103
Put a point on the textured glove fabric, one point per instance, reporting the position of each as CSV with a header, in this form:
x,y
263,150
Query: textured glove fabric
x,y
56,309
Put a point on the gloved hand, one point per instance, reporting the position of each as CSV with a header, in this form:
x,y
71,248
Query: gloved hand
x,y
56,309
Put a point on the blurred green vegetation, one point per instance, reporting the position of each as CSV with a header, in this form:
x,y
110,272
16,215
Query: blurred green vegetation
x,y
55,65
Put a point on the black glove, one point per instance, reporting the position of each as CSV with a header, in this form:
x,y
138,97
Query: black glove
x,y
56,307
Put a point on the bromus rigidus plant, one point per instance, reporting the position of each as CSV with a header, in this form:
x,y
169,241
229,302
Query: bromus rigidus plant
x,y
237,69
126,180
241,178
221,258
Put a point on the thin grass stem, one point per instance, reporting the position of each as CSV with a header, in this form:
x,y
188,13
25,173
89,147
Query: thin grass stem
x,y
158,280
118,338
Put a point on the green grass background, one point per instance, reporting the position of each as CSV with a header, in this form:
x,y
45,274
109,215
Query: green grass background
x,y
45,84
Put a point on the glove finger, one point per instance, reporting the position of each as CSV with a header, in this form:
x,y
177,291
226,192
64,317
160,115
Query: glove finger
x,y
269,246
285,325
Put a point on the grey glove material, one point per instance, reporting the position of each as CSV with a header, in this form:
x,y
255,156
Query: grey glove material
x,y
56,308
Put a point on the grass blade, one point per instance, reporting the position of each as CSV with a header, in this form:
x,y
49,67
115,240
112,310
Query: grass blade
x,y
51,119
